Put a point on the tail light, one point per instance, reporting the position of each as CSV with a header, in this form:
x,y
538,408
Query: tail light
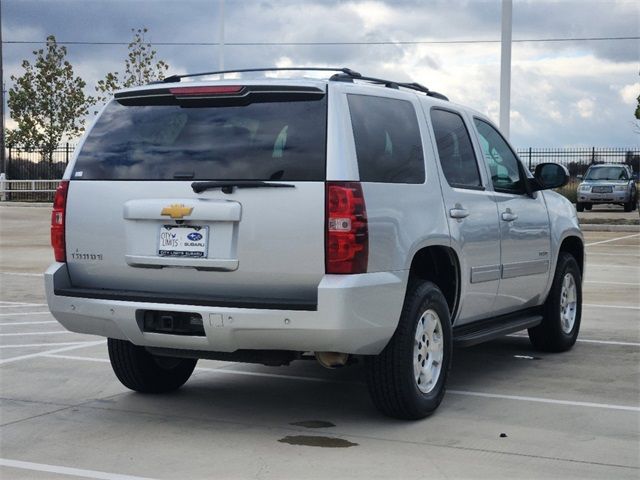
x,y
203,91
58,220
347,237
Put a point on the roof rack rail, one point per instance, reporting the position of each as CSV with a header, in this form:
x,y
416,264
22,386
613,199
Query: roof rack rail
x,y
347,71
345,77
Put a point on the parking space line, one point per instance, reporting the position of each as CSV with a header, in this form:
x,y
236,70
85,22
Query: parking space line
x,y
5,302
585,340
618,245
4,324
73,472
53,332
612,240
22,313
603,265
614,283
4,361
598,305
606,406
598,254
22,274
610,342
24,305
50,344
75,357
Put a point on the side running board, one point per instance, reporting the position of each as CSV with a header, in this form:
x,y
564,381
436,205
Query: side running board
x,y
485,330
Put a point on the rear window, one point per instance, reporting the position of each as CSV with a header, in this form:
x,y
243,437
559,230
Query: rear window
x,y
607,173
280,140
387,138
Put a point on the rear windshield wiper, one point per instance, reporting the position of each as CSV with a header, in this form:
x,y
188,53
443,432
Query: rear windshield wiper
x,y
227,186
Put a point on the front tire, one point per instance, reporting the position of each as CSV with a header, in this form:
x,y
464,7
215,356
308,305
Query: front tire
x,y
138,370
628,207
560,326
580,207
407,379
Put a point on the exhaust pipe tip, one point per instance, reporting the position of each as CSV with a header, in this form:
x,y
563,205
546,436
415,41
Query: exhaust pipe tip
x,y
332,359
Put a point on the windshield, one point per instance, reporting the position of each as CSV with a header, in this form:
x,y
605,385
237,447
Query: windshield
x,y
283,140
607,173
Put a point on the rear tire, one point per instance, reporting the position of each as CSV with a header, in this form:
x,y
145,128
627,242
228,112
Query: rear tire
x,y
407,379
560,326
580,207
138,370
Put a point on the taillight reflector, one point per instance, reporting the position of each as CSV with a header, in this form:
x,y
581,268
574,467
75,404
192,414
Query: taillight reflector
x,y
219,90
347,232
58,221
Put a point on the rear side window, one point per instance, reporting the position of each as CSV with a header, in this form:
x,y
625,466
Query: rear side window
x,y
280,140
456,154
387,138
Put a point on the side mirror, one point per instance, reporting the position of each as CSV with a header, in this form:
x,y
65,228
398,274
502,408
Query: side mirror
x,y
549,175
579,177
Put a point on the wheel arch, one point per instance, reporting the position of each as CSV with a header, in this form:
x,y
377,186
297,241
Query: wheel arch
x,y
439,264
575,246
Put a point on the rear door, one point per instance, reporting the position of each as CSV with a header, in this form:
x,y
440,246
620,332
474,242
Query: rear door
x,y
210,192
472,211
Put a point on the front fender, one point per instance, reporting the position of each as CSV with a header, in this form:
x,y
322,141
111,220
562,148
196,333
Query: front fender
x,y
563,223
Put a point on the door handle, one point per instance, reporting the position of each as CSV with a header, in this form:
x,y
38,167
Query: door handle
x,y
458,212
509,216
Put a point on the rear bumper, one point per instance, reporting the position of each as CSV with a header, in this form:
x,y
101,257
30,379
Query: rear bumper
x,y
355,314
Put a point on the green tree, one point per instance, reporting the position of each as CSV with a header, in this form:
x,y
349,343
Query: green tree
x,y
140,67
47,102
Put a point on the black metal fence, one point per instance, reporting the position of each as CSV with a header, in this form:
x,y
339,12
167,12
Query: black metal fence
x,y
578,160
34,165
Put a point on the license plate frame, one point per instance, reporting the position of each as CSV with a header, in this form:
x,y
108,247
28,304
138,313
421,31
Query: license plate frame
x,y
176,244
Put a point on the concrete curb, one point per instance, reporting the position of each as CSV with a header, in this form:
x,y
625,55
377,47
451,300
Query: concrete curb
x,y
27,204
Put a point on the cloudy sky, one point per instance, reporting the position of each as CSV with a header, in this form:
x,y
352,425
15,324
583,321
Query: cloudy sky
x,y
575,93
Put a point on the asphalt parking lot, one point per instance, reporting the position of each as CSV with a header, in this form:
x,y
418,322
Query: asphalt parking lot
x,y
510,411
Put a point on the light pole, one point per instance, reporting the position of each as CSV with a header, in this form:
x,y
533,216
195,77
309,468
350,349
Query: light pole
x,y
505,67
3,159
221,32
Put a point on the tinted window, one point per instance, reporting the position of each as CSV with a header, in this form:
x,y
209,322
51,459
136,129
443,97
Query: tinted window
x,y
456,154
261,141
387,139
503,163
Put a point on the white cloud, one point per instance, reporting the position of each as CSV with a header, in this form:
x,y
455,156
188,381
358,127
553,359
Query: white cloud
x,y
629,93
373,14
585,107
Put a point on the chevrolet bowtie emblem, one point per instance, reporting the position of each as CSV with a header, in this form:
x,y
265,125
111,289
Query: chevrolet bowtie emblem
x,y
176,211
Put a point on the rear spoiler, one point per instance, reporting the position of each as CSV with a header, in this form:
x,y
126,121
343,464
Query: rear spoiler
x,y
218,95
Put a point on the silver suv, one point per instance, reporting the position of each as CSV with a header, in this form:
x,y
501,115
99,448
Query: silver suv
x,y
352,219
607,183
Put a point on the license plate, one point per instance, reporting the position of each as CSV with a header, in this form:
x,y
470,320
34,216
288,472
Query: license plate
x,y
182,241
602,189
